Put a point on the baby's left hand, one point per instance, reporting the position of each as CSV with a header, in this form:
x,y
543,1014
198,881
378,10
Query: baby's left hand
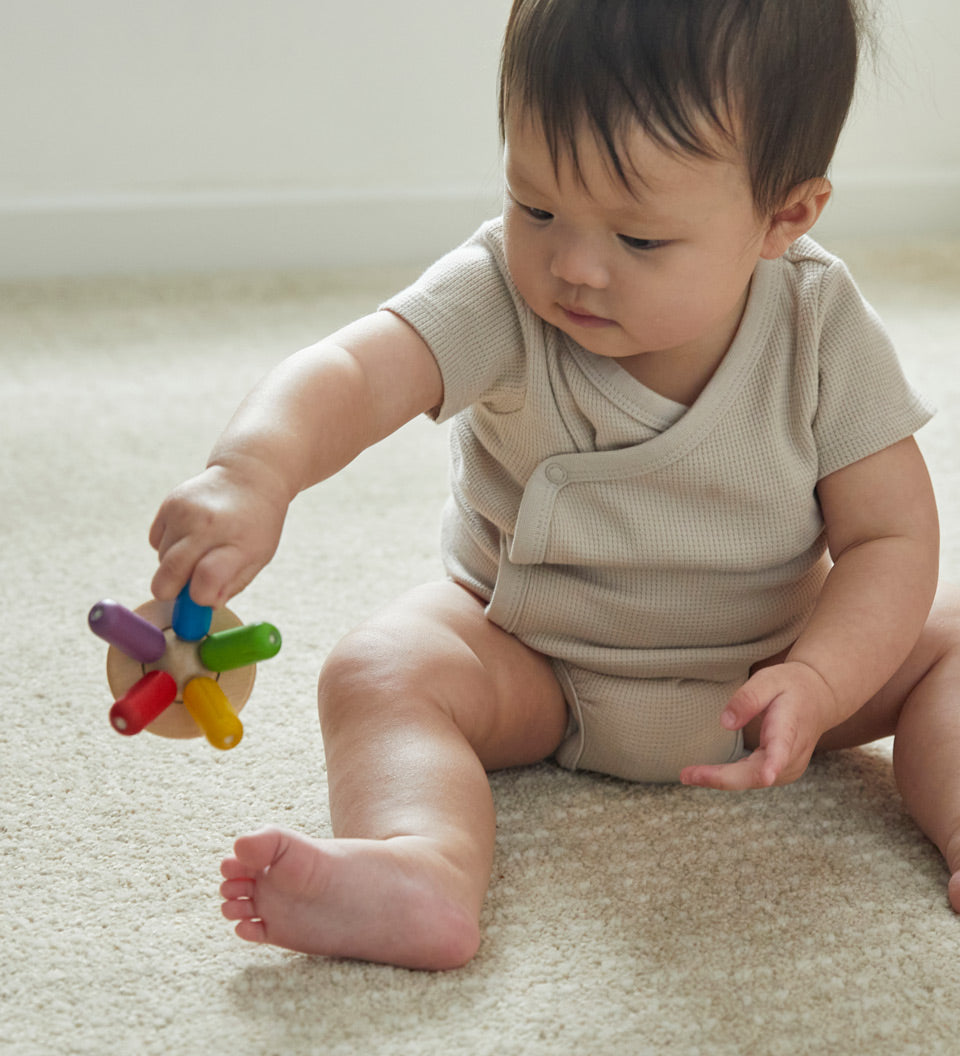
x,y
796,704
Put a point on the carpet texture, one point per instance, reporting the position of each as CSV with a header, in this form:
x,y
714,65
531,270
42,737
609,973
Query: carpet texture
x,y
621,919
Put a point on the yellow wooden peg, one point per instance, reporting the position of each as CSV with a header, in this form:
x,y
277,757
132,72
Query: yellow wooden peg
x,y
212,712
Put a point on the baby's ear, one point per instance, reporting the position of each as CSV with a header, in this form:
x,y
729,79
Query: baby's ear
x,y
796,216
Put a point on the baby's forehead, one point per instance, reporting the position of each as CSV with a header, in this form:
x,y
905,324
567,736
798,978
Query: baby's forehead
x,y
635,166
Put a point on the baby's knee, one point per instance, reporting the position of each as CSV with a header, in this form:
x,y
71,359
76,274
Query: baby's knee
x,y
358,668
380,666
386,670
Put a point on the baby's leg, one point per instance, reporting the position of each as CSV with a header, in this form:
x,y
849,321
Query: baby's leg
x,y
921,707
415,706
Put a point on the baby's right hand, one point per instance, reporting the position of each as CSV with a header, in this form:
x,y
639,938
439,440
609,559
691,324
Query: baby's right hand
x,y
216,530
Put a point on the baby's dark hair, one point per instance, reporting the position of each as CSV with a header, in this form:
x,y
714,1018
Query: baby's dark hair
x,y
773,77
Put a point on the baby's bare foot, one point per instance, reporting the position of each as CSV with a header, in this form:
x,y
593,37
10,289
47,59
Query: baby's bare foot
x,y
953,891
392,901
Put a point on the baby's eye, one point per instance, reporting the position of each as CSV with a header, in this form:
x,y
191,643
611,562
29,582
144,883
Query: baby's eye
x,y
644,244
536,214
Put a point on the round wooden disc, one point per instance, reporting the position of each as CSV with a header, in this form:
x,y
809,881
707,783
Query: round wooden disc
x,y
182,661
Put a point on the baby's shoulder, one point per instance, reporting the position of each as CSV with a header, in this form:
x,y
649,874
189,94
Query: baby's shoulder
x,y
818,279
805,251
807,264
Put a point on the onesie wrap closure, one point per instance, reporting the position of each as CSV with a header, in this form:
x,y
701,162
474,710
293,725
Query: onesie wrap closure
x,y
653,552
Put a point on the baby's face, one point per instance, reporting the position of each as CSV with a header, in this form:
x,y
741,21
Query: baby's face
x,y
663,272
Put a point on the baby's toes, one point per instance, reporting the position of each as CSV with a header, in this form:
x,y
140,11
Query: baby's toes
x,y
240,888
257,851
252,931
239,909
233,869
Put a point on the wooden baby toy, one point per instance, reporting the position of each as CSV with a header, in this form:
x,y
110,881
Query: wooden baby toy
x,y
180,669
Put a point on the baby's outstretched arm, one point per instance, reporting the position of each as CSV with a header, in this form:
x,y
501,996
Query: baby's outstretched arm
x,y
883,535
306,420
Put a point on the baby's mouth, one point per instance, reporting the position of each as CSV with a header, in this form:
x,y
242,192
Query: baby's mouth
x,y
585,319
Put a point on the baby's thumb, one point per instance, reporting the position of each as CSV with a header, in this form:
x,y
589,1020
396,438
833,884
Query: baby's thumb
x,y
219,575
746,704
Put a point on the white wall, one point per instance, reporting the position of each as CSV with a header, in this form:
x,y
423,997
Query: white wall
x,y
194,134
897,168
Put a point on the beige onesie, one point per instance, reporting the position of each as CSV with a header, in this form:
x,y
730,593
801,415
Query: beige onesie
x,y
654,551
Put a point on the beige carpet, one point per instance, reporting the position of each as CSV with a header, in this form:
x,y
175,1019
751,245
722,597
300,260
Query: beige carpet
x,y
621,919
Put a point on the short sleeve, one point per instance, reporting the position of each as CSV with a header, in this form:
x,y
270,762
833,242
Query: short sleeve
x,y
467,311
865,403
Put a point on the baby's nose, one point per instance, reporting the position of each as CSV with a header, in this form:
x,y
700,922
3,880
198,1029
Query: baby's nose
x,y
577,263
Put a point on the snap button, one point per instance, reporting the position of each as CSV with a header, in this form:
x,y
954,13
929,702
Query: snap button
x,y
556,474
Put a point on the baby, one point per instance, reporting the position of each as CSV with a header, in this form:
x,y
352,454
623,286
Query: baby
x,y
690,538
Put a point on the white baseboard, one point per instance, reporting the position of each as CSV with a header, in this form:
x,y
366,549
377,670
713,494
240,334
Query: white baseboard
x,y
288,230
233,231
910,206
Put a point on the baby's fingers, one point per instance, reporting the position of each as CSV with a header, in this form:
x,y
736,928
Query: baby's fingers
x,y
752,698
220,574
157,530
755,771
745,704
176,519
779,760
177,563
215,576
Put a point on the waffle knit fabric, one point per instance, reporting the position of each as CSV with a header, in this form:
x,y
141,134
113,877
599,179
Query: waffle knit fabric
x,y
654,551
